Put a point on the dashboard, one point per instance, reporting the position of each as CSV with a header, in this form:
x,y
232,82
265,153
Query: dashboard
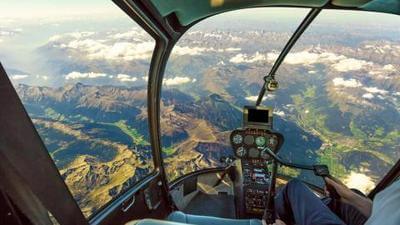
x,y
250,143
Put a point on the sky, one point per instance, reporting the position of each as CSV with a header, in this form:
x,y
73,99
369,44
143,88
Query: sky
x,y
55,8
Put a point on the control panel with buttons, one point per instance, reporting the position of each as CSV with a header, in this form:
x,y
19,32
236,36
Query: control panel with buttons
x,y
256,179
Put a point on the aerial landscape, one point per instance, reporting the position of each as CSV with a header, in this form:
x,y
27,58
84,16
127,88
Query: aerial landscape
x,y
84,86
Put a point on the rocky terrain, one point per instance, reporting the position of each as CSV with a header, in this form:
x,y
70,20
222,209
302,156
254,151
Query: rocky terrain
x,y
338,103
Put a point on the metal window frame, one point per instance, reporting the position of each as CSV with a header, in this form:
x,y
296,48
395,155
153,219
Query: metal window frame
x,y
172,33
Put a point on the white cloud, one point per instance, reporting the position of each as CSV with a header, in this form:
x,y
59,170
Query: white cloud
x,y
359,181
178,50
176,81
254,97
339,81
312,72
279,113
117,51
340,63
126,78
375,90
368,96
306,57
389,67
108,48
244,58
194,80
79,75
350,64
232,49
145,78
19,76
132,34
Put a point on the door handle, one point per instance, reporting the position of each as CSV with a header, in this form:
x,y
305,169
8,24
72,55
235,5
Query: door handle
x,y
126,206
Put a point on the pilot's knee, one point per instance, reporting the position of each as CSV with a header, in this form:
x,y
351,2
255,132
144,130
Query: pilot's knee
x,y
177,216
295,184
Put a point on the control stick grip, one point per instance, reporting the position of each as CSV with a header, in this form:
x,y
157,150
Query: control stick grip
x,y
323,171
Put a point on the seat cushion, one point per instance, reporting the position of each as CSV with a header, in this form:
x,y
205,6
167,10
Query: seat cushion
x,y
153,222
181,217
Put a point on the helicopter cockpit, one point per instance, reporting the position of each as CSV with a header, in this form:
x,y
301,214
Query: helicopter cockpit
x,y
201,112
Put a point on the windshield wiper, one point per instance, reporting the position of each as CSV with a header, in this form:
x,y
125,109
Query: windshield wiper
x,y
293,39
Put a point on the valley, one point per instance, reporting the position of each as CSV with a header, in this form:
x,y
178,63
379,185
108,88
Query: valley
x,y
338,102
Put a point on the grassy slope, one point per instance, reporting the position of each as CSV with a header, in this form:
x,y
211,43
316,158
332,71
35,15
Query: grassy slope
x,y
310,118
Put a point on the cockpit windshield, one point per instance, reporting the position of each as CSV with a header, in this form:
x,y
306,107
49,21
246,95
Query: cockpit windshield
x,y
337,103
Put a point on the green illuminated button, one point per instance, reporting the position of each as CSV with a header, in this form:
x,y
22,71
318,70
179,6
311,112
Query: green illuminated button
x,y
260,141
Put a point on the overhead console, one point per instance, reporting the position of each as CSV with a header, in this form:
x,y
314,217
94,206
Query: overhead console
x,y
249,144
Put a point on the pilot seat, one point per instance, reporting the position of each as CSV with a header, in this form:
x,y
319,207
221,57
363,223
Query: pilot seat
x,y
179,218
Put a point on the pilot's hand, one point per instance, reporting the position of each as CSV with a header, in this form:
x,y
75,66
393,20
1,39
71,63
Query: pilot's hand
x,y
277,222
345,193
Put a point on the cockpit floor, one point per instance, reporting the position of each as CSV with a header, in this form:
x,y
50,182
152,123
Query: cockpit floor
x,y
221,205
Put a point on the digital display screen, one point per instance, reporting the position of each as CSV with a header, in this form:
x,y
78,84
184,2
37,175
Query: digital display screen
x,y
258,116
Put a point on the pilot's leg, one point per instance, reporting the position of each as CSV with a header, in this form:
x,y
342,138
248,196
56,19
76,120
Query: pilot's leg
x,y
346,212
297,204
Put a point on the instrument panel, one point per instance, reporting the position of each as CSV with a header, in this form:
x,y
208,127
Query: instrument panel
x,y
250,143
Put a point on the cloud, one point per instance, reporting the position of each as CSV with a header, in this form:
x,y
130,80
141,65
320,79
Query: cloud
x,y
125,50
350,64
375,90
339,63
126,78
279,113
186,50
232,49
19,76
178,50
368,96
352,83
359,181
108,48
244,58
254,97
78,75
131,35
176,81
306,57
117,51
389,67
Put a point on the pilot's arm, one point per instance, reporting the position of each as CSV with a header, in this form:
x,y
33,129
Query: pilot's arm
x,y
363,204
